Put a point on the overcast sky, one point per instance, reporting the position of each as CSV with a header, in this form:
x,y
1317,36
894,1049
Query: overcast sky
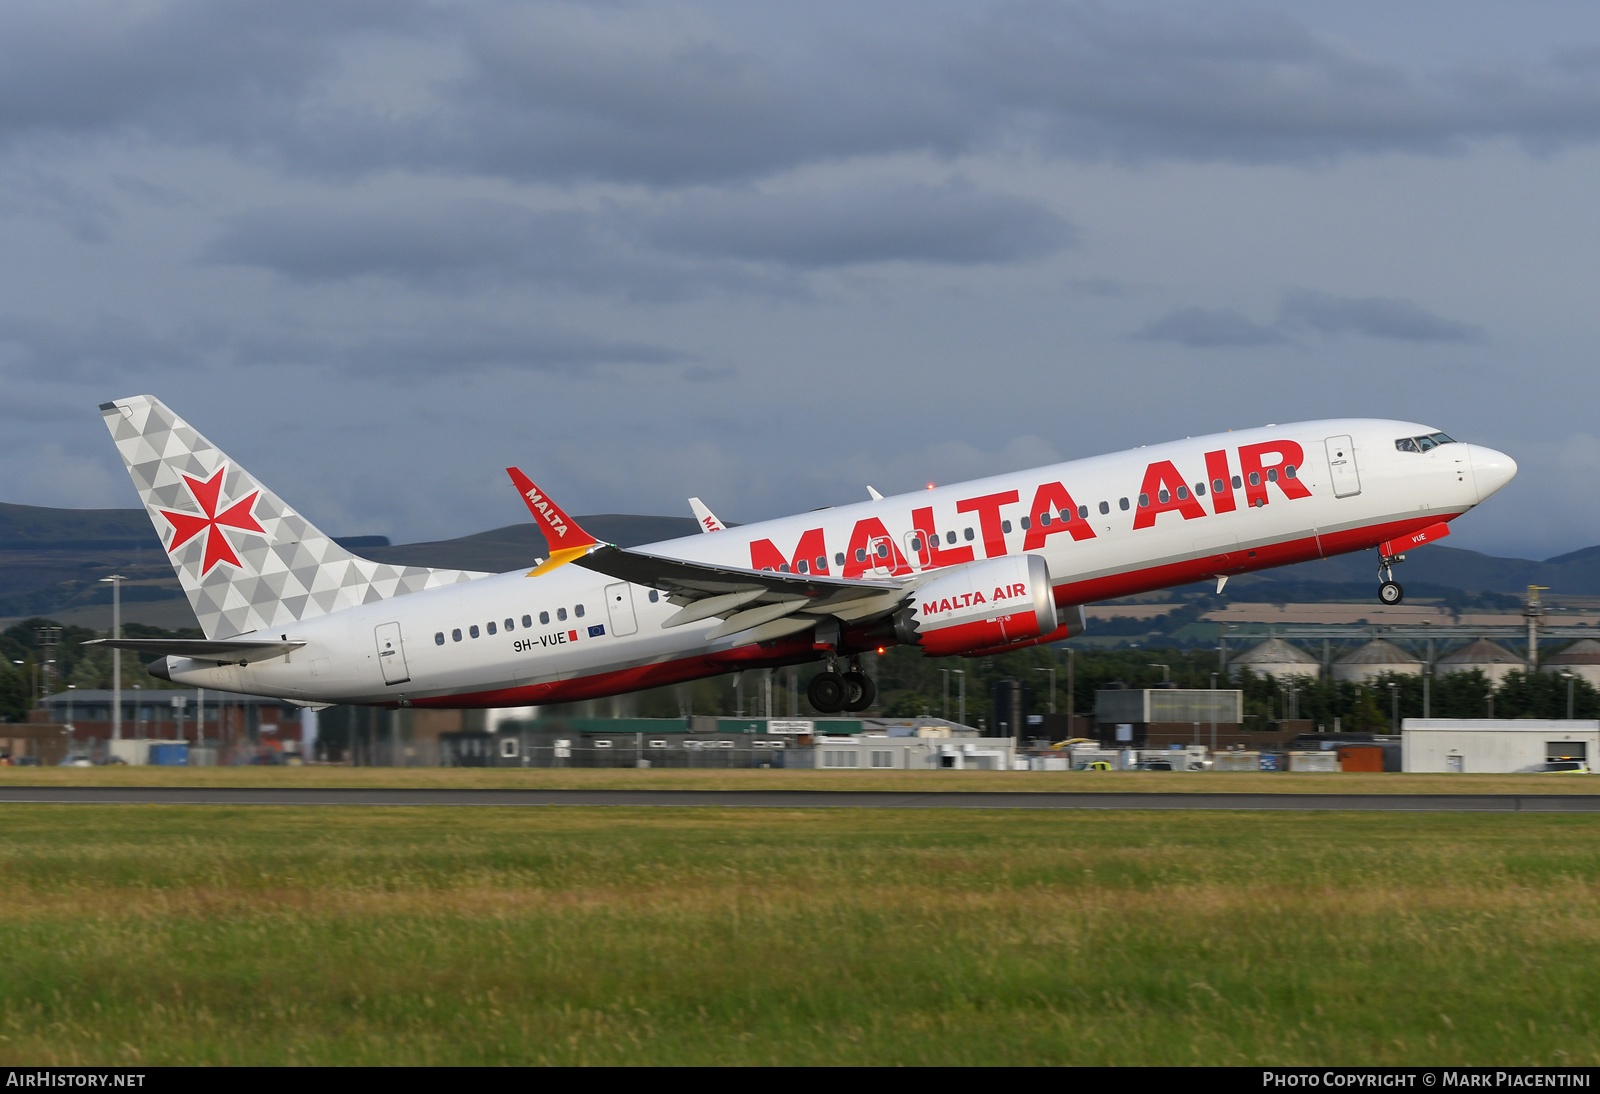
x,y
770,253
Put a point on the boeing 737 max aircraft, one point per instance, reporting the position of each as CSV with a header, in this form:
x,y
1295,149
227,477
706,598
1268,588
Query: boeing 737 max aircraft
x,y
975,568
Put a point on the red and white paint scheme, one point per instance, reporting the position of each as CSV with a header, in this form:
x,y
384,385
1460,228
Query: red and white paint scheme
x,y
973,568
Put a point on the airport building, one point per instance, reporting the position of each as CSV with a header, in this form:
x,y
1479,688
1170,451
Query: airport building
x,y
1481,746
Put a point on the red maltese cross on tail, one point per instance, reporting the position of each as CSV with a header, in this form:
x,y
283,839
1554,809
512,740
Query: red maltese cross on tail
x,y
186,526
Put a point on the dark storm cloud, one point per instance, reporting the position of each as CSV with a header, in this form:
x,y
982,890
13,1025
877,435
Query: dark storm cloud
x,y
659,96
956,223
1209,328
1373,316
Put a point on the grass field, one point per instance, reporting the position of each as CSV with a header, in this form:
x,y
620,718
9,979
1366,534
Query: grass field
x,y
160,935
1208,782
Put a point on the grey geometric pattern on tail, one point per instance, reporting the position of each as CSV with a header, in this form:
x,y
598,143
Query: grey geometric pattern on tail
x,y
287,572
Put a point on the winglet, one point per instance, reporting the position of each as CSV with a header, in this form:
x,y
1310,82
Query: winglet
x,y
567,540
707,519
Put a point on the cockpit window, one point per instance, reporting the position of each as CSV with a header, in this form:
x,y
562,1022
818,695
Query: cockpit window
x,y
1422,444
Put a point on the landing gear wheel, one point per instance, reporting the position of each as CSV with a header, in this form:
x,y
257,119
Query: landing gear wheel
x,y
827,692
1390,592
861,690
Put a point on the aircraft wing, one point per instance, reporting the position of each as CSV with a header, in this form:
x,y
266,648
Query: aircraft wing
x,y
205,649
707,519
765,603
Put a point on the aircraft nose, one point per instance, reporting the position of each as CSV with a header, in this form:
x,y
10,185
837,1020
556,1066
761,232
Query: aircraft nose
x,y
1491,470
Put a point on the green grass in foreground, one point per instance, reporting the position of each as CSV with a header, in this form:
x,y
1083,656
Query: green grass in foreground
x,y
436,936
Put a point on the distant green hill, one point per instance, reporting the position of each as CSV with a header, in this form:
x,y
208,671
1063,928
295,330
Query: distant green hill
x,y
53,558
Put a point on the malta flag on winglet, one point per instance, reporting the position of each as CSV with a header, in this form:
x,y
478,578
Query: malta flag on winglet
x,y
1391,547
567,540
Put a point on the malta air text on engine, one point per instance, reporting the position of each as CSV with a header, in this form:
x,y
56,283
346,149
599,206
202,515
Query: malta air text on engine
x,y
1244,477
973,599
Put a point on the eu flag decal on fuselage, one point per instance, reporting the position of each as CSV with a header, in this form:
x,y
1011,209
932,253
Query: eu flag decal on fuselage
x,y
597,630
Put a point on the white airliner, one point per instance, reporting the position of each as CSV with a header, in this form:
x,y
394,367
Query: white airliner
x,y
975,568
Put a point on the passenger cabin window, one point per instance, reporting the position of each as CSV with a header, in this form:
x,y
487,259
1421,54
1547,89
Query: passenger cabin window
x,y
861,554
1272,475
802,566
578,611
822,562
473,630
455,635
1289,471
1122,503
883,550
1237,483
544,617
1255,478
1083,512
968,534
1199,489
1164,496
527,621
1026,523
510,626
1044,520
654,596
1105,507
1005,526
783,567
838,558
1144,501
561,613
491,627
950,536
438,638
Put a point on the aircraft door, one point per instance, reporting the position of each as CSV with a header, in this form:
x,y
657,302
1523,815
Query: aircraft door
x,y
619,605
917,550
880,555
1342,467
392,654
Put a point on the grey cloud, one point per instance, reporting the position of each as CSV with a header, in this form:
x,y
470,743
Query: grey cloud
x,y
92,348
559,92
955,223
464,244
442,349
1373,316
1209,328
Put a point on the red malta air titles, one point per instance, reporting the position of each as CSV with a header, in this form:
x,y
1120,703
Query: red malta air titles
x,y
969,569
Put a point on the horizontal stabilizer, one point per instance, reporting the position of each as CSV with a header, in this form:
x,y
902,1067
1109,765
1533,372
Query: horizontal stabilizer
x,y
204,649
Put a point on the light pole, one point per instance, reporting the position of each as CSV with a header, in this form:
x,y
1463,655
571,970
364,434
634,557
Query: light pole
x,y
961,696
945,673
1394,695
116,581
1213,713
1052,671
1570,679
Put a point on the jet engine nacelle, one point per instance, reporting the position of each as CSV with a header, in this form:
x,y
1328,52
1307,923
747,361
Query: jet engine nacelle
x,y
980,606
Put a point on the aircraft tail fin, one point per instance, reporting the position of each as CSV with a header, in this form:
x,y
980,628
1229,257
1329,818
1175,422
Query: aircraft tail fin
x,y
247,561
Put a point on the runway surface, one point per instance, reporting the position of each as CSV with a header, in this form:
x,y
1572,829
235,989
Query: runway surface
x,y
802,799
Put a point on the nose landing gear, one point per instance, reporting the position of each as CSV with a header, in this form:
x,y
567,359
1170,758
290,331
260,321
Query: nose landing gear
x,y
1389,591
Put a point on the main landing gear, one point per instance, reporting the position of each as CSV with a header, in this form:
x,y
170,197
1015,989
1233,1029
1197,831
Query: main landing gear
x,y
832,691
1389,591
